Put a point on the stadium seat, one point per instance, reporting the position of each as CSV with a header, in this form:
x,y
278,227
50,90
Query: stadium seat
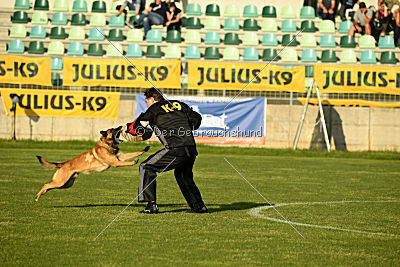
x,y
212,38
347,41
16,47
116,21
55,48
250,25
366,41
308,26
60,5
193,9
99,7
288,25
173,36
231,10
250,38
192,52
59,19
251,54
114,50
269,39
79,6
327,40
173,52
308,40
41,5
270,54
231,53
328,56
269,25
231,38
114,4
76,33
250,11
97,34
193,23
134,50
388,57
344,26
212,53
212,10
289,40
56,79
79,19
39,17
192,37
20,17
348,56
95,49
386,42
36,47
212,23
98,20
22,4
327,26
289,55
57,32
115,35
309,55
75,49
307,12
231,24
135,35
288,12
269,12
153,51
38,32
309,72
368,57
18,31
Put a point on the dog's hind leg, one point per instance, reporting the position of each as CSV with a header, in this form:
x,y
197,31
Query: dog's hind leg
x,y
61,179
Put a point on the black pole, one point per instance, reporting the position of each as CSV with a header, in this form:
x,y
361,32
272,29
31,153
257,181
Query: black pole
x,y
14,120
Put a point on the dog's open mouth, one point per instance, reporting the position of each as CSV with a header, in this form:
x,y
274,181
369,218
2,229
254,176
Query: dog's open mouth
x,y
116,137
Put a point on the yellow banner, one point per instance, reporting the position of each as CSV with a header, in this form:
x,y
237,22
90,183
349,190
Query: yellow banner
x,y
351,103
357,79
54,103
120,72
248,76
25,70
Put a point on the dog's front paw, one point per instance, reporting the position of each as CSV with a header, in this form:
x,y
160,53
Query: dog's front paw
x,y
135,161
147,148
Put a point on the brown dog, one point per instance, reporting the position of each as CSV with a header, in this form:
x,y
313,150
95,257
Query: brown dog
x,y
98,159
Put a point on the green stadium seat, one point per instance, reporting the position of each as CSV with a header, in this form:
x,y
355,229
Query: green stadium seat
x,y
192,52
288,12
75,49
153,51
289,40
250,11
307,12
250,25
154,36
269,25
308,26
309,72
39,17
269,39
344,26
38,31
212,53
368,57
134,50
386,42
56,79
115,35
212,10
347,41
193,23
250,38
231,53
16,47
57,32
251,54
193,9
309,55
173,52
135,35
348,56
270,54
41,5
36,47
59,18
55,48
116,21
97,20
388,57
114,50
328,56
231,38
289,55
288,25
95,49
327,40
366,41
231,10
99,7
212,38
114,4
308,40
76,33
327,26
173,36
18,31
79,6
212,24
231,24
20,17
61,5
269,12
79,19
95,35
192,37
22,4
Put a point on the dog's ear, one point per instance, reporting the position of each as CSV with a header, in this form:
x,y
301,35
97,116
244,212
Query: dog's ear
x,y
103,133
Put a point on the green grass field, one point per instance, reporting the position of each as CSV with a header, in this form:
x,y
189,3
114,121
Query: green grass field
x,y
60,228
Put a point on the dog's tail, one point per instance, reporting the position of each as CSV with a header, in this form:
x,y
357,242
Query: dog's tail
x,y
49,165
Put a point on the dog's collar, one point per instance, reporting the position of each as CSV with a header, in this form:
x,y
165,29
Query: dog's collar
x,y
109,148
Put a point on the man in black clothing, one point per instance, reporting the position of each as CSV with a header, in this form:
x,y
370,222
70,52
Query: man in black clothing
x,y
172,122
155,14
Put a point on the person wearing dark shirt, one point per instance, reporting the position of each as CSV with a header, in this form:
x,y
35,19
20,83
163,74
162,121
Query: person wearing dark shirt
x,y
327,9
155,14
173,18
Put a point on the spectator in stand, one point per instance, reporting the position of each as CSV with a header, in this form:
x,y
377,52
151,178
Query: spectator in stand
x,y
363,20
327,9
137,5
155,14
346,5
385,19
173,18
393,6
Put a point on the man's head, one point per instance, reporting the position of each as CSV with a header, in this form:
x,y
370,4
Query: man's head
x,y
363,6
158,2
152,95
172,6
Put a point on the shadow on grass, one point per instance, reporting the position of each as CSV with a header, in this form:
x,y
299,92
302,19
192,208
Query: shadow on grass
x,y
226,207
116,205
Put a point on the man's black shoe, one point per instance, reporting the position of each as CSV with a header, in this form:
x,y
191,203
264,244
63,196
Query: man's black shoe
x,y
204,209
150,208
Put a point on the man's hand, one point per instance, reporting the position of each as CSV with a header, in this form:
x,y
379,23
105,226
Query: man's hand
x,y
330,11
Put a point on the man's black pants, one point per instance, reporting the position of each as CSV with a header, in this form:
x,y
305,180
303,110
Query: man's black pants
x,y
181,159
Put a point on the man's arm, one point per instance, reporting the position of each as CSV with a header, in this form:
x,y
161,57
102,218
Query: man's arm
x,y
330,11
324,9
367,20
194,118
